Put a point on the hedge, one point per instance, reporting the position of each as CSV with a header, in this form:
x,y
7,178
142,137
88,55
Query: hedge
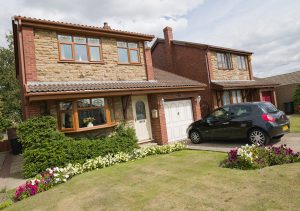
x,y
46,147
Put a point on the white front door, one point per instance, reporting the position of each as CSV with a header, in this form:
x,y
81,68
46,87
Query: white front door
x,y
141,117
179,115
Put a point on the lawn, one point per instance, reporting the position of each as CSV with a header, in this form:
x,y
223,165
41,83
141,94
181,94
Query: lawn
x,y
182,180
295,123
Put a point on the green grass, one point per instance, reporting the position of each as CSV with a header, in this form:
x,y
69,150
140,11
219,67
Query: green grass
x,y
295,123
182,180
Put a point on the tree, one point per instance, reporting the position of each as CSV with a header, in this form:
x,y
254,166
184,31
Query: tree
x,y
297,96
9,88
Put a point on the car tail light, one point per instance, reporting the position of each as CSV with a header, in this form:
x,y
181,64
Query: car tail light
x,y
268,118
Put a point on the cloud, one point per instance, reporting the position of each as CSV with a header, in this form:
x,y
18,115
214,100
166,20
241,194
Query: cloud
x,y
270,28
134,15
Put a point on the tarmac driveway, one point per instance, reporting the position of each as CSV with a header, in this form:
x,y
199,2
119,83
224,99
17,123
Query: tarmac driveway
x,y
291,140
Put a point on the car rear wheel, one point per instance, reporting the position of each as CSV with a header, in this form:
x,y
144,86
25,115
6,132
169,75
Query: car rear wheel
x,y
195,137
258,137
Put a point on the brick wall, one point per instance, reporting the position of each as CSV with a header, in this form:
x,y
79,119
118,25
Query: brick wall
x,y
159,56
234,74
29,54
149,65
50,69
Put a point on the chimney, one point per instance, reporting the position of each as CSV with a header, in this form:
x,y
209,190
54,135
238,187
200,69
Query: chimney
x,y
106,26
168,35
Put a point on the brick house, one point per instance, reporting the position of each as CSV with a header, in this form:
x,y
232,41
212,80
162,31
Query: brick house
x,y
286,89
91,78
226,72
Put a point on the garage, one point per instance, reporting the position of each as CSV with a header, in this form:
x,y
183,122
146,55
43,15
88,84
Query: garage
x,y
179,115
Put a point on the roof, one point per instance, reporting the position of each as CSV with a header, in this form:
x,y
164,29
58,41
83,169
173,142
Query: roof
x,y
201,45
43,23
285,79
163,80
235,84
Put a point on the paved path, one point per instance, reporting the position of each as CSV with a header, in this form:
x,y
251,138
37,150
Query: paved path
x,y
291,140
11,171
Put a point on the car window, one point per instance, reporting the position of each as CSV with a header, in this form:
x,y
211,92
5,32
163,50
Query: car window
x,y
240,111
268,107
220,114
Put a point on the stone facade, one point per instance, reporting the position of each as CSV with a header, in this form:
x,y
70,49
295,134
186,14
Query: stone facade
x,y
233,74
49,68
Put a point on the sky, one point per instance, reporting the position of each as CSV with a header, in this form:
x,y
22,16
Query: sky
x,y
268,28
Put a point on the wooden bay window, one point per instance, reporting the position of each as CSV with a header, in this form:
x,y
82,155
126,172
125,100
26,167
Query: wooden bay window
x,y
85,114
79,49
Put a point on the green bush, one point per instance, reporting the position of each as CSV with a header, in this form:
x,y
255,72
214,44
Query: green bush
x,y
297,96
5,204
46,147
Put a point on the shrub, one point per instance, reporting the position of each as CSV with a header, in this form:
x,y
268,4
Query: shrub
x,y
5,204
297,96
45,147
38,131
254,157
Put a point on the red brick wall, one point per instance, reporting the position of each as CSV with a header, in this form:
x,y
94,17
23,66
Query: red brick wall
x,y
189,62
158,125
159,56
29,54
149,66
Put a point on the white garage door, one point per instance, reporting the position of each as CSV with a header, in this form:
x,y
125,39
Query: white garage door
x,y
179,114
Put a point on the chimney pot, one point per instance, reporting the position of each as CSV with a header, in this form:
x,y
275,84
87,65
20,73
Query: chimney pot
x,y
106,26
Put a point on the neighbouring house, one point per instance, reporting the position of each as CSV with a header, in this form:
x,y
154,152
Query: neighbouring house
x,y
285,91
226,72
91,78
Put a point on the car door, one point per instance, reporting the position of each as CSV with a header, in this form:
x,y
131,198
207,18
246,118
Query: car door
x,y
214,124
239,121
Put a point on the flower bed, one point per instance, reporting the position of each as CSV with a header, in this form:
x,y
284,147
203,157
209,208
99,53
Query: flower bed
x,y
53,176
254,157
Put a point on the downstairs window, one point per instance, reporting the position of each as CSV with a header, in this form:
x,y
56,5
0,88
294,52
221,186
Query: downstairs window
x,y
84,114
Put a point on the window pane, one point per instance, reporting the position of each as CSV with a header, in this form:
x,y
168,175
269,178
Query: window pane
x,y
132,45
66,51
122,55
81,53
239,96
92,117
95,53
219,59
122,44
65,38
226,98
97,102
66,120
83,103
93,41
134,56
140,110
65,105
234,98
80,40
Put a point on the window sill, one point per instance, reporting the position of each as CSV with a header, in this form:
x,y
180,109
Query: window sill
x,y
130,64
76,62
90,128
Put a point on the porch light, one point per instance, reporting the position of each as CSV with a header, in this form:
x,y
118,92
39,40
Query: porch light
x,y
162,101
198,99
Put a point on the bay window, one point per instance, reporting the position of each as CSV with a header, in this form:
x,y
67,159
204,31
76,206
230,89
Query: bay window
x,y
83,114
79,49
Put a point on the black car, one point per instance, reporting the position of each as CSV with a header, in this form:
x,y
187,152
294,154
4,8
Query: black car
x,y
256,121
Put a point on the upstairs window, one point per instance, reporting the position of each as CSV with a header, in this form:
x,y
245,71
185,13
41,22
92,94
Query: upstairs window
x,y
224,61
241,61
128,53
79,49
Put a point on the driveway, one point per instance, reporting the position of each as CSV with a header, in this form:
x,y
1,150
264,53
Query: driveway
x,y
291,140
